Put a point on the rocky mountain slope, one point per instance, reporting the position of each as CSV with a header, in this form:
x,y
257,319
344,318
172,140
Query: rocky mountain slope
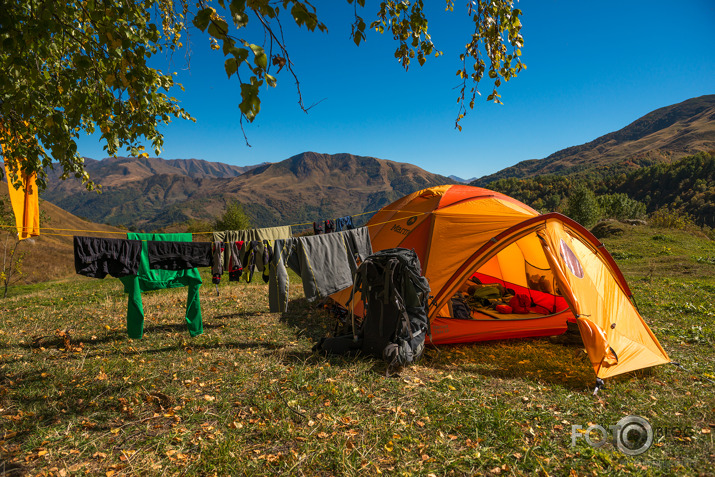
x,y
153,193
664,135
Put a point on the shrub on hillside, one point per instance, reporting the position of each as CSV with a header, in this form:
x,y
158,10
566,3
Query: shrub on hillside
x,y
196,226
620,207
234,218
671,219
583,206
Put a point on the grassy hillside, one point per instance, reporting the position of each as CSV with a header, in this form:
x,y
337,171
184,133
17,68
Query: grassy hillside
x,y
77,397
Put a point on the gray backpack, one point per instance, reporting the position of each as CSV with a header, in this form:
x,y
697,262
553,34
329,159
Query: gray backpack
x,y
394,295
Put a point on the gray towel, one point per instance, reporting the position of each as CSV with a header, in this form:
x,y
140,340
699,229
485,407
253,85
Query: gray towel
x,y
325,263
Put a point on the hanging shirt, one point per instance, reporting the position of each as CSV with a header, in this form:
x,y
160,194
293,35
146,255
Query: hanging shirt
x,y
325,263
217,262
257,257
344,223
148,279
25,205
235,262
179,255
329,226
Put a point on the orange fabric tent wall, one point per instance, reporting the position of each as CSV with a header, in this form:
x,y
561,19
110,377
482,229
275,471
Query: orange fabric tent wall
x,y
615,335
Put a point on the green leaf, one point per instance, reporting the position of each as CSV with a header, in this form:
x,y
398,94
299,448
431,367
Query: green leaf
x,y
358,37
257,50
203,18
218,29
231,66
250,104
241,54
261,58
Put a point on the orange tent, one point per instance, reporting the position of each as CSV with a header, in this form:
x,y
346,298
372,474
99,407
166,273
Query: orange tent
x,y
465,235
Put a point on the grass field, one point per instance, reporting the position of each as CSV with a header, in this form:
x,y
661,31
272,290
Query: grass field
x,y
248,397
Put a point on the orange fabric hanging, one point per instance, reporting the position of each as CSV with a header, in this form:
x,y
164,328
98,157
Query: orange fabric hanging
x,y
25,205
25,201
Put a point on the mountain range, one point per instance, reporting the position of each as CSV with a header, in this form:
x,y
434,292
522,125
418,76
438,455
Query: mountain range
x,y
151,193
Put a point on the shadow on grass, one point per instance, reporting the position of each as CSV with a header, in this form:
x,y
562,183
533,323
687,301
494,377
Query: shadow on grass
x,y
76,410
176,327
11,469
238,345
54,341
534,359
238,315
309,320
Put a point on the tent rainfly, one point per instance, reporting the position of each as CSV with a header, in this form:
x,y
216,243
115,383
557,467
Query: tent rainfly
x,y
467,235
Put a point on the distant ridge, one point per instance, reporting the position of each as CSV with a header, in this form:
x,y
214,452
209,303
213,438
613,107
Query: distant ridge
x,y
113,171
462,181
151,193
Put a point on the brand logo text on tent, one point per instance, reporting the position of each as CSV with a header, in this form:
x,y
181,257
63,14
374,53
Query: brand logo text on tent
x,y
400,230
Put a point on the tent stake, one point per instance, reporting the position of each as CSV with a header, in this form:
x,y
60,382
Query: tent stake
x,y
599,385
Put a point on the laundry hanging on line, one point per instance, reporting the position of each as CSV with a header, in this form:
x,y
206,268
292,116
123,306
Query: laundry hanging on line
x,y
179,255
344,223
148,279
98,257
257,257
325,263
25,204
217,262
129,260
146,262
248,235
329,225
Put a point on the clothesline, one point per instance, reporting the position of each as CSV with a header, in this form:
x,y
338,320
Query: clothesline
x,y
414,214
356,215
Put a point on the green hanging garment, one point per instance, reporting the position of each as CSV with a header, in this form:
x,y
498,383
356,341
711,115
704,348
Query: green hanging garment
x,y
148,279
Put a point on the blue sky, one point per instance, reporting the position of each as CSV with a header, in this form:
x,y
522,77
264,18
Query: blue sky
x,y
592,68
